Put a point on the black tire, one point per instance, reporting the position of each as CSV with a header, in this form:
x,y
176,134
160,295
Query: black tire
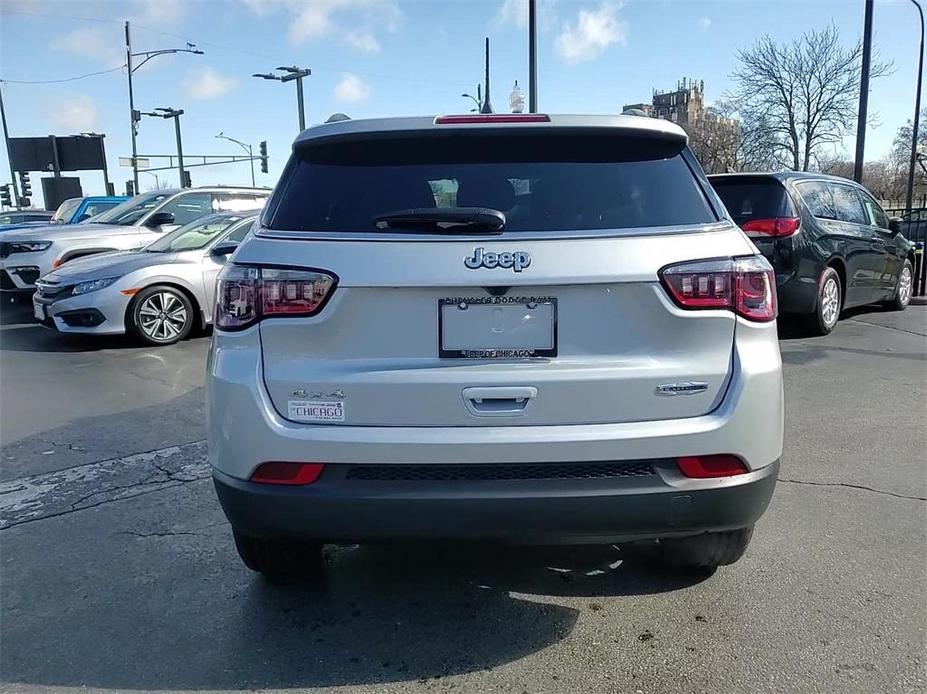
x,y
902,296
167,330
825,316
279,558
700,553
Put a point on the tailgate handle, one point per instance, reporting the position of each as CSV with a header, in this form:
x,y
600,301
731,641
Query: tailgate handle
x,y
498,401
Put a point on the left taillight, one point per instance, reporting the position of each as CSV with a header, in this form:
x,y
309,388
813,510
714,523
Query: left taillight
x,y
746,286
248,294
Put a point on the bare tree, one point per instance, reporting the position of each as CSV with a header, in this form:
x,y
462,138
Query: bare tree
x,y
797,99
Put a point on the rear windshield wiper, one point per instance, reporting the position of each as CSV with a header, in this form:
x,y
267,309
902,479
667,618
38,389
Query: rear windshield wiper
x,y
444,220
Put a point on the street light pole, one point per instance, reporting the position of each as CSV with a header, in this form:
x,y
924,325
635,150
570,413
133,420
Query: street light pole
x,y
244,146
909,196
863,95
292,73
174,113
135,116
183,175
299,99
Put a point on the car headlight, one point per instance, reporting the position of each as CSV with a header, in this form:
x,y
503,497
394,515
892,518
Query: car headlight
x,y
29,246
92,285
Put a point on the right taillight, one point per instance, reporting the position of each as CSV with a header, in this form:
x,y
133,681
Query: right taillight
x,y
746,286
778,227
247,294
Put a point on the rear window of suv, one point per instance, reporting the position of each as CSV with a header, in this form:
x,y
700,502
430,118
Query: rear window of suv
x,y
540,182
759,198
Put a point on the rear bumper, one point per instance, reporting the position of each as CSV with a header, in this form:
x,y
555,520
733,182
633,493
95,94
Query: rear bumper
x,y
338,509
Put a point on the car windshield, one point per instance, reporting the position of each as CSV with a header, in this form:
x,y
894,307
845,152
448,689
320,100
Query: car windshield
x,y
194,235
131,210
65,210
569,183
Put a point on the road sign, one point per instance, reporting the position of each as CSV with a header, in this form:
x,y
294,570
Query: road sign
x,y
143,163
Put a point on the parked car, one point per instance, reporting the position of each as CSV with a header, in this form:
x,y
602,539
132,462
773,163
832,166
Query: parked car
x,y
15,219
27,254
74,210
830,242
159,293
576,345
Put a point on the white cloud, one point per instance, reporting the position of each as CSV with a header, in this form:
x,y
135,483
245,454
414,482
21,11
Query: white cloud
x,y
351,89
159,12
592,33
515,13
76,113
704,22
206,83
362,40
94,43
354,22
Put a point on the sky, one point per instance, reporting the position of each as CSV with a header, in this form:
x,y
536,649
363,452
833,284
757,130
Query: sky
x,y
374,58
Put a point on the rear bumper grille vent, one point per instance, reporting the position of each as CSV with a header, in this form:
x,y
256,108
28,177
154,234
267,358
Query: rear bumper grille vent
x,y
497,472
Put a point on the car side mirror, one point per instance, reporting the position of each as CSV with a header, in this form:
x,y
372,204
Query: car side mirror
x,y
159,219
223,249
894,225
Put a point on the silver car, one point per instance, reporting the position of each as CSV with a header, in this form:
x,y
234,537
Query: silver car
x,y
159,294
27,254
506,328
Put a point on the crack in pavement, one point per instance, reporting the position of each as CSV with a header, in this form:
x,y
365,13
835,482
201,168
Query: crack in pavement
x,y
853,486
887,327
53,494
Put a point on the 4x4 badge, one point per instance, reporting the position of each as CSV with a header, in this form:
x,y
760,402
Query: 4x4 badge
x,y
517,260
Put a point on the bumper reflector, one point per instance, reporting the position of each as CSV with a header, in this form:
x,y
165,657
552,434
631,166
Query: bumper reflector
x,y
287,473
705,466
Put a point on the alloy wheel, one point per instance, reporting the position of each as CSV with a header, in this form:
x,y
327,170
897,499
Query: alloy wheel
x,y
830,301
162,316
905,284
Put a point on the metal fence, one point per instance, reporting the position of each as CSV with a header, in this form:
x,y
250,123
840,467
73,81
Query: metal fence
x,y
914,228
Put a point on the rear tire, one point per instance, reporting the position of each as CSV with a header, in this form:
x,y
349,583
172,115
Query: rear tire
x,y
700,553
278,558
829,304
903,290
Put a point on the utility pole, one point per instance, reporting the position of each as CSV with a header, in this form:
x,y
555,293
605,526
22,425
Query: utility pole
x,y
532,56
863,95
135,116
917,114
487,106
9,153
292,73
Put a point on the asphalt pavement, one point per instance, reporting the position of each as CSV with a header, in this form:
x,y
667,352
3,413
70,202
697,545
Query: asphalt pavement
x,y
117,570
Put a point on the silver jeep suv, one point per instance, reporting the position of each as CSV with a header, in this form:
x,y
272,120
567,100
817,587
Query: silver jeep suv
x,y
511,328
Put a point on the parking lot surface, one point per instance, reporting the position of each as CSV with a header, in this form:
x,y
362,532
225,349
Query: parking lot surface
x,y
118,570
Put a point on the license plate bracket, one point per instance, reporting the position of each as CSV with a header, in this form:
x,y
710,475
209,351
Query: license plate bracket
x,y
497,327
38,310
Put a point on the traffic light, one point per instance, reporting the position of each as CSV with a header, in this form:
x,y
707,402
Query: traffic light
x,y
186,181
130,188
263,150
25,185
6,197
